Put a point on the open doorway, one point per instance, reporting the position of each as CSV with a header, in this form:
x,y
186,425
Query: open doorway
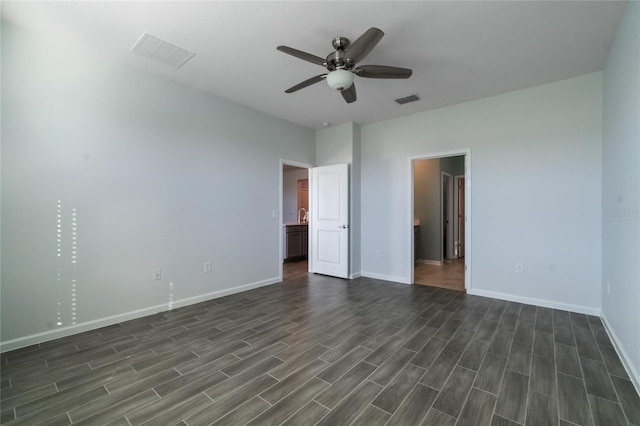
x,y
295,219
439,218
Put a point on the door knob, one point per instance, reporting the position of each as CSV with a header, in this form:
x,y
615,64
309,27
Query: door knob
x,y
342,226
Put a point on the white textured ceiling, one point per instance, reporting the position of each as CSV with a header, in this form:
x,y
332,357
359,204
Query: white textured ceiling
x,y
458,50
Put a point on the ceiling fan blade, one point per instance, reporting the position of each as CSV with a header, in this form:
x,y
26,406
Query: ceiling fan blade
x,y
302,55
349,94
306,83
364,44
381,71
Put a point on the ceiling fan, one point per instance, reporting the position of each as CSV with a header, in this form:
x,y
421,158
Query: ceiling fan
x,y
341,64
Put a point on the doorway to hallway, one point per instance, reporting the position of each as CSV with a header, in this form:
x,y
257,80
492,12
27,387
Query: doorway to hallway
x,y
439,206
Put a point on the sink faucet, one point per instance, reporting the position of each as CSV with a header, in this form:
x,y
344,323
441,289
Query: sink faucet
x,y
302,218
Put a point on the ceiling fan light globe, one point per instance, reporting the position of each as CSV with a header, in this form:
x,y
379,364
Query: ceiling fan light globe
x,y
340,79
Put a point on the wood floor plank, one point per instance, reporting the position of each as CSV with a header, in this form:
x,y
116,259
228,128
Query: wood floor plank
x,y
455,391
294,380
429,352
344,364
297,362
250,361
372,416
345,385
567,361
486,330
232,383
573,402
597,379
543,376
542,410
605,412
415,407
478,408
474,354
612,362
438,418
242,414
170,401
393,394
519,358
180,411
58,402
629,399
230,401
512,400
351,407
384,351
421,337
16,399
120,408
384,373
489,376
501,342
439,371
543,344
310,414
279,412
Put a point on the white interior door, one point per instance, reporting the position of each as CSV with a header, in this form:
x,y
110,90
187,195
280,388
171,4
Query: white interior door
x,y
329,236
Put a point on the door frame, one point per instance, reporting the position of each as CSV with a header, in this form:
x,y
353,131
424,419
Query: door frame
x,y
468,285
456,213
280,217
449,218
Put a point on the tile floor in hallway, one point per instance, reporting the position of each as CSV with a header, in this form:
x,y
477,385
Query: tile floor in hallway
x,y
319,350
448,275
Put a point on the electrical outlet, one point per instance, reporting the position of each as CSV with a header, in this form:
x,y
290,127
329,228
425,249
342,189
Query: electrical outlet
x,y
379,253
520,268
207,267
157,275
608,288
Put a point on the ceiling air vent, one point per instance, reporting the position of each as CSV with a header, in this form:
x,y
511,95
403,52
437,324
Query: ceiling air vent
x,y
161,51
410,98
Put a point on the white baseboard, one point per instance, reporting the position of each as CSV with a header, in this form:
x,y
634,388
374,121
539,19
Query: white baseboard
x,y
429,262
355,275
401,280
622,354
33,339
538,302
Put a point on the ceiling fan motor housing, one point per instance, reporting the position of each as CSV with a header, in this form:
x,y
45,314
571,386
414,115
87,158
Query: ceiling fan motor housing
x,y
338,59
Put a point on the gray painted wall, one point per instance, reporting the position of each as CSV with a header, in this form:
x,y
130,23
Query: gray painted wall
x,y
154,175
544,156
621,190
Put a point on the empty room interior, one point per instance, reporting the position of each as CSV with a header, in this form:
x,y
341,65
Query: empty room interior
x,y
332,213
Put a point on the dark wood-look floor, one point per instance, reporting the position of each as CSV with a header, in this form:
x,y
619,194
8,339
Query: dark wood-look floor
x,y
318,350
